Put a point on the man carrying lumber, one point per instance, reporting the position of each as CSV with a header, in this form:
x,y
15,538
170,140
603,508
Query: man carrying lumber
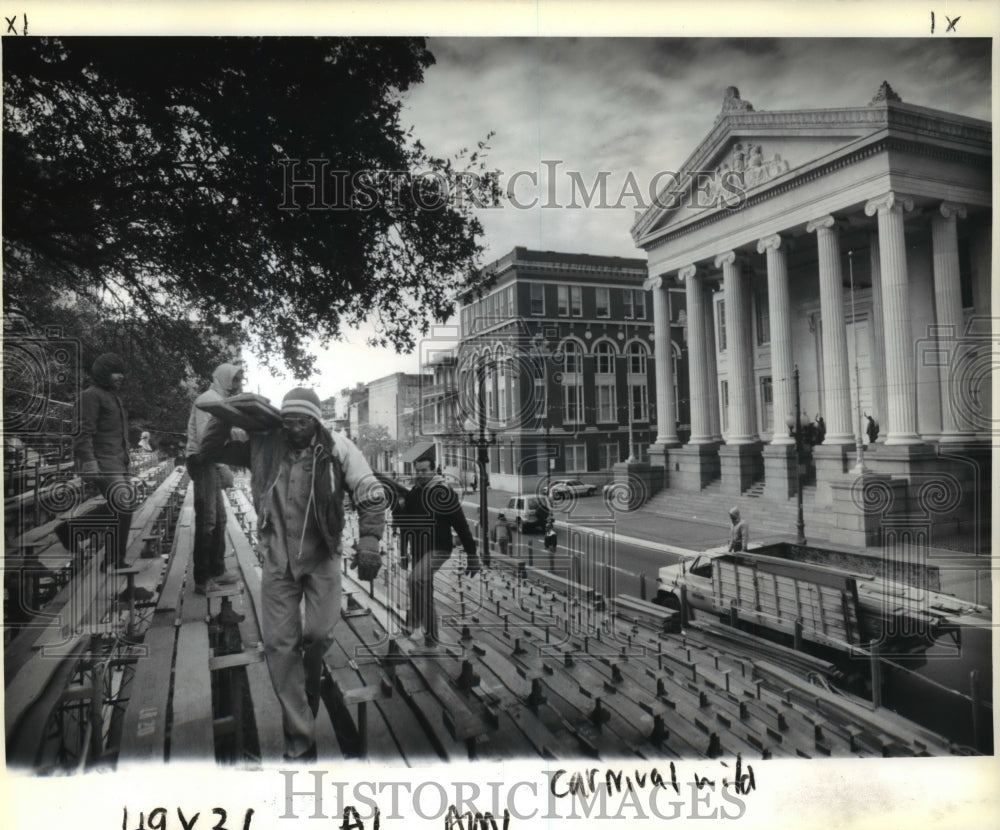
x,y
300,473
426,518
209,509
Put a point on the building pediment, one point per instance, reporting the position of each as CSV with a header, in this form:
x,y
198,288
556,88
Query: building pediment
x,y
749,151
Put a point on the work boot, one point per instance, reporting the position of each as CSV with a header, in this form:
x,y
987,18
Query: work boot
x,y
226,578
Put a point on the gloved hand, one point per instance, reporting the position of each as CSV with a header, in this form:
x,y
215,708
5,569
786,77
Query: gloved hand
x,y
368,558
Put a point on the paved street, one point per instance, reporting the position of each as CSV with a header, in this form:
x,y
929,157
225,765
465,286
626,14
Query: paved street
x,y
642,542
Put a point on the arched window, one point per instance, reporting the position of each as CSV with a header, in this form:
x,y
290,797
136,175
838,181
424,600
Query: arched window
x,y
572,356
605,354
636,359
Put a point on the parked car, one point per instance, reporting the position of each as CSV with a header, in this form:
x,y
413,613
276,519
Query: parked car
x,y
571,485
528,511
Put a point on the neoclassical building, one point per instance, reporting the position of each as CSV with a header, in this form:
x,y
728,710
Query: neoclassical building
x,y
855,245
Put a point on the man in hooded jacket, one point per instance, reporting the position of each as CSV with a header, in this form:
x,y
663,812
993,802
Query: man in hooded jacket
x,y
209,508
299,475
101,450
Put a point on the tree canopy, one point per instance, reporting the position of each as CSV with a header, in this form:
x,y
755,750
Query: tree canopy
x,y
157,176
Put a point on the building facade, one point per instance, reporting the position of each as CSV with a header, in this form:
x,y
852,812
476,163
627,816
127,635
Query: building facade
x,y
557,358
853,244
393,402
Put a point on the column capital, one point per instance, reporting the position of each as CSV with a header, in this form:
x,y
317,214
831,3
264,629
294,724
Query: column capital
x,y
687,272
822,223
652,283
888,202
950,210
774,242
727,258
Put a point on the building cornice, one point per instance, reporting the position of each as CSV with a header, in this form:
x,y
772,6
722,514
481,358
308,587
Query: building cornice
x,y
921,123
793,181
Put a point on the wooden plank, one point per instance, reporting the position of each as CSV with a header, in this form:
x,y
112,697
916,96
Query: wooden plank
x,y
191,734
145,722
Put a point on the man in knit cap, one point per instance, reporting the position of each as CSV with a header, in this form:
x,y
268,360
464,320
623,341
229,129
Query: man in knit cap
x,y
101,450
300,473
209,509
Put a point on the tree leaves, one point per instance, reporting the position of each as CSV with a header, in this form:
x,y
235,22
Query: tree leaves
x,y
148,173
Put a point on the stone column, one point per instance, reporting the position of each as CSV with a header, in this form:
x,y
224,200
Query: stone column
x,y
663,354
742,420
701,430
948,311
836,378
739,458
881,413
712,364
779,455
781,334
900,369
696,463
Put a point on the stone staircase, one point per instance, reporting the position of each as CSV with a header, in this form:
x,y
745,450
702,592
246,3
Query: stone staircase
x,y
766,518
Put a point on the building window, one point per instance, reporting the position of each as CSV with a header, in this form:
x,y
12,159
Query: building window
x,y
724,404
605,354
562,300
635,303
641,451
511,301
762,317
572,357
720,325
606,403
537,299
572,402
576,458
539,401
766,404
637,359
639,397
576,301
609,455
603,303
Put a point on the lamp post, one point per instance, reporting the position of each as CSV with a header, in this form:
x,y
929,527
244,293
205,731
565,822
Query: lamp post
x,y
800,530
482,442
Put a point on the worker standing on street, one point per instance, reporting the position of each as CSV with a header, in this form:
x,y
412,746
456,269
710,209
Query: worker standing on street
x,y
739,536
551,539
501,534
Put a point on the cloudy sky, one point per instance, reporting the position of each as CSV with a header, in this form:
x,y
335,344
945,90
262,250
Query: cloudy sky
x,y
630,107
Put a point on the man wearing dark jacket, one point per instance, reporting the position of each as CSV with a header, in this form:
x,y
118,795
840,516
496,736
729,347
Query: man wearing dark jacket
x,y
209,509
429,513
101,451
299,474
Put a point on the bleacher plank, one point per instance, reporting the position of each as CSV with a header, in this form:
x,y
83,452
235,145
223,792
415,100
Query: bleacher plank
x,y
191,733
145,721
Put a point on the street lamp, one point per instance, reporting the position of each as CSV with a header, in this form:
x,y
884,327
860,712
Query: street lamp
x,y
796,425
482,443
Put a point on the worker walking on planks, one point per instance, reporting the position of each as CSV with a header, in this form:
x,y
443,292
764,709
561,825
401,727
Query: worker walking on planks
x,y
209,509
101,451
426,518
739,535
500,534
299,474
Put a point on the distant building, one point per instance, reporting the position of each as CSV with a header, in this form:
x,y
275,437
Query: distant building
x,y
393,402
560,354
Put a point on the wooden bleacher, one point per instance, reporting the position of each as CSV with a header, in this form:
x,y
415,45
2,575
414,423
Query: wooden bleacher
x,y
531,664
